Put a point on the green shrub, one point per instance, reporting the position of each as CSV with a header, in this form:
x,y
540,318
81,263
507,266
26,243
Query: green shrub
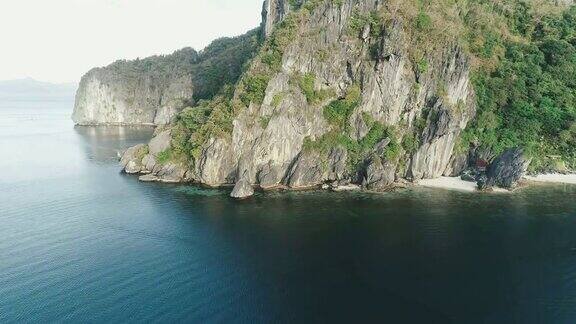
x,y
222,62
264,121
410,143
164,156
358,151
529,100
254,89
277,99
338,112
273,59
422,66
358,21
393,151
294,4
306,82
282,36
423,21
194,126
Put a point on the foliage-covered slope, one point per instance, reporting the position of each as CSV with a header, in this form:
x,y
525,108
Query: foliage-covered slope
x,y
154,89
529,98
371,92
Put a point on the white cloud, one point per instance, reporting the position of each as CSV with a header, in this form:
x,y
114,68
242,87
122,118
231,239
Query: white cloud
x,y
59,40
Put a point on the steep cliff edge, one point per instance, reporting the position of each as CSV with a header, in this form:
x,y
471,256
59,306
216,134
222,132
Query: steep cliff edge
x,y
365,92
155,89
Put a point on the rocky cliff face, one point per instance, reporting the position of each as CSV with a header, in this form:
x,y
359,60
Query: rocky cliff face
x,y
149,91
507,169
403,123
273,12
379,64
155,89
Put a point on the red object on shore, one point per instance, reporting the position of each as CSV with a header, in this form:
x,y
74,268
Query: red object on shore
x,y
482,165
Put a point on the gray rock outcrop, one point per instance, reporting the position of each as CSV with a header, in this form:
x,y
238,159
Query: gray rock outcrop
x,y
458,164
243,189
432,106
171,172
160,143
507,169
132,159
379,175
149,91
155,89
273,12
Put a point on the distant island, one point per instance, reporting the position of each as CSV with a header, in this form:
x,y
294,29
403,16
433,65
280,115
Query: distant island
x,y
28,89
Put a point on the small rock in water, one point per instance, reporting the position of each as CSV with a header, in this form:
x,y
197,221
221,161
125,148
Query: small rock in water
x,y
148,178
131,161
242,189
132,168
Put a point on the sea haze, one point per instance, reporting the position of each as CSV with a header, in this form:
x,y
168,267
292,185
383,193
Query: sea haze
x,y
32,90
82,242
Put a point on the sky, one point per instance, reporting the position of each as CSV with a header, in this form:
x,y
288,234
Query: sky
x,y
59,40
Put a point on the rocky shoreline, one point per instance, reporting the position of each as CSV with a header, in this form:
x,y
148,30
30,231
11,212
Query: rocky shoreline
x,y
334,95
506,173
244,190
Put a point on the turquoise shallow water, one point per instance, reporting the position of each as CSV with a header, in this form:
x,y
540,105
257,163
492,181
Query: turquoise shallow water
x,y
81,242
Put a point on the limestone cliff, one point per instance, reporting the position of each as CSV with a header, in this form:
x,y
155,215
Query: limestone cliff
x,y
339,92
334,59
153,90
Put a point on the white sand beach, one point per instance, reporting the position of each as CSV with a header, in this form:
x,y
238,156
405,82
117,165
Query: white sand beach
x,y
449,183
453,183
553,178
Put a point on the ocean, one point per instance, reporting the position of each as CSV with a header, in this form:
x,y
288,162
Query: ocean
x,y
82,242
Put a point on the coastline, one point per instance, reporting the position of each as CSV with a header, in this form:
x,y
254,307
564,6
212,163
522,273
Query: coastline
x,y
454,184
553,178
457,184
442,183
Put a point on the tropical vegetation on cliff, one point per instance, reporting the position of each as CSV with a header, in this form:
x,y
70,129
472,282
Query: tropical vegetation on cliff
x,y
529,98
371,92
524,75
154,89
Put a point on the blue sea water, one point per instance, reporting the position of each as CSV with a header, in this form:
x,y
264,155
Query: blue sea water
x,y
82,242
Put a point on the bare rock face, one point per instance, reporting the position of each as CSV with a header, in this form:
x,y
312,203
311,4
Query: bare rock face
x,y
432,106
143,159
379,175
273,12
312,169
149,91
507,169
216,166
160,142
171,172
337,164
458,164
306,172
149,162
268,177
447,116
155,89
132,159
243,189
